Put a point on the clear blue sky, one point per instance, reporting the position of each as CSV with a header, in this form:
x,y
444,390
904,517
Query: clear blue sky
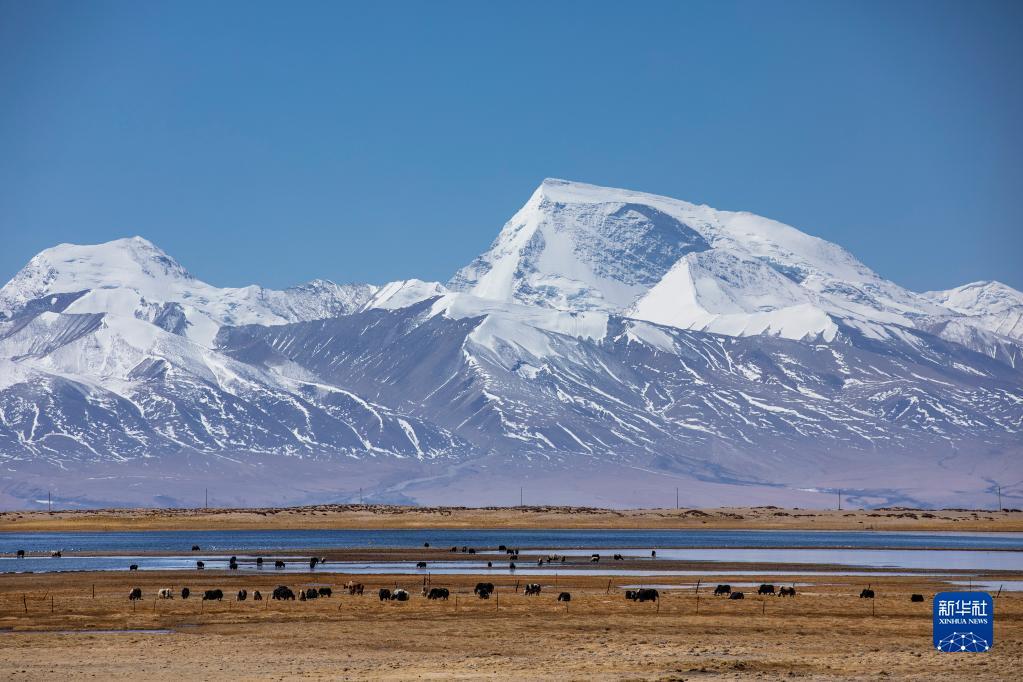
x,y
277,142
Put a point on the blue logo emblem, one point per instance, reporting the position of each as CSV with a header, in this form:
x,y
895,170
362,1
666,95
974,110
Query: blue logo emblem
x,y
964,621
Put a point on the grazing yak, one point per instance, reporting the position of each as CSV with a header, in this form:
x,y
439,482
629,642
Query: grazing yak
x,y
787,592
438,593
454,549
736,595
483,590
301,595
313,562
199,565
867,594
165,593
21,554
630,595
185,593
56,555
195,548
213,595
421,564
136,593
594,558
279,564
564,596
472,550
325,592
646,594
257,596
354,588
259,561
399,595
426,544
916,597
766,589
282,593
243,595
502,548
722,589
384,594
312,593
532,588
619,557
133,567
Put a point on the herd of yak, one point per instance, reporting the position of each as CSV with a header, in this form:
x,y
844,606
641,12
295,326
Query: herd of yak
x,y
482,590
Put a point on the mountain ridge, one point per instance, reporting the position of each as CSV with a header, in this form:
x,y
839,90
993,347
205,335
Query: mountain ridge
x,y
607,342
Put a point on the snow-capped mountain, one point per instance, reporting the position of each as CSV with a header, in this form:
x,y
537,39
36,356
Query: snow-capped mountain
x,y
990,305
132,277
609,346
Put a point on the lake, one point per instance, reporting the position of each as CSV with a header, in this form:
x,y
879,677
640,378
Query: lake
x,y
890,551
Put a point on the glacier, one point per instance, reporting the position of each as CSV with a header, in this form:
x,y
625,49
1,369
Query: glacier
x,y
609,347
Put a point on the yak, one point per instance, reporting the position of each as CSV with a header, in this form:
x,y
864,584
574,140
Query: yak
x,y
21,554
421,564
787,592
766,589
243,595
399,595
312,593
722,589
195,548
257,596
283,593
483,590
325,592
646,594
438,593
736,595
916,597
384,594
279,564
532,588
133,567
213,595
136,593
185,593
199,565
165,593
565,596
867,594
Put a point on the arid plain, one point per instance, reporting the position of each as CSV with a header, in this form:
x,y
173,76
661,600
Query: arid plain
x,y
82,626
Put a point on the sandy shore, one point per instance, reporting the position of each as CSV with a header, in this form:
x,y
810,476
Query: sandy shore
x,y
825,633
381,516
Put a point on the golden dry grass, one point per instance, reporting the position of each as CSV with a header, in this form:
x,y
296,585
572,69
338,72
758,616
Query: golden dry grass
x,y
825,633
384,516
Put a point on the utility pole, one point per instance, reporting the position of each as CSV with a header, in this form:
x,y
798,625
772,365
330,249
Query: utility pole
x,y
520,496
999,498
360,496
839,499
49,504
676,498
206,506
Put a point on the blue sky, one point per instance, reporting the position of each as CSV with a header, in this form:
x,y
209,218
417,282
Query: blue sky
x,y
277,142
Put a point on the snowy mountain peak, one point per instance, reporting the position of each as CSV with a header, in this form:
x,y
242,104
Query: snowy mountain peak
x,y
130,261
577,247
991,305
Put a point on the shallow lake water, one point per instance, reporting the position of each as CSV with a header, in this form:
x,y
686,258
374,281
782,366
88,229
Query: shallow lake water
x,y
864,551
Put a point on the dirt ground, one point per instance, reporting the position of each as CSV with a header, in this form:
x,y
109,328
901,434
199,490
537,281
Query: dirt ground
x,y
824,633
384,516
